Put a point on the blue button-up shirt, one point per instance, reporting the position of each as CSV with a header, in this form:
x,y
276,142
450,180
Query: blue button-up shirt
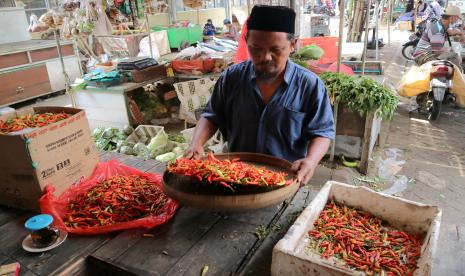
x,y
298,111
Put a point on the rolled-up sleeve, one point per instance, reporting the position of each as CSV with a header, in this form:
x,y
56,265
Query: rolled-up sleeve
x,y
214,110
319,120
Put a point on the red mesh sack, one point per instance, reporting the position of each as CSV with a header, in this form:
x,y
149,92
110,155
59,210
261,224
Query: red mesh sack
x,y
56,206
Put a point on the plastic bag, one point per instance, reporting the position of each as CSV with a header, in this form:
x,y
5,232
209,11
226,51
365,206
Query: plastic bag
x,y
91,11
195,53
56,206
103,25
66,29
144,48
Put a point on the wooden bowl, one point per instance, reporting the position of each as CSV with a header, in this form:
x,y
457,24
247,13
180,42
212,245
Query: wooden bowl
x,y
190,191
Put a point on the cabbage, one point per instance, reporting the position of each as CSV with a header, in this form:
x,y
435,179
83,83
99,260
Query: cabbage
x,y
128,130
166,157
97,133
101,144
160,139
139,148
126,150
110,132
161,149
178,151
311,51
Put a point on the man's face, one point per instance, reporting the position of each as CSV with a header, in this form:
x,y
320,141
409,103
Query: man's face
x,y
269,52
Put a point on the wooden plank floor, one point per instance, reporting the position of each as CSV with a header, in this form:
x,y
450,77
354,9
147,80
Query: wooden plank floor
x,y
228,243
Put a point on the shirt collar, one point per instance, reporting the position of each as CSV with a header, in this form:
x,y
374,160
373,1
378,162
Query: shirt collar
x,y
290,66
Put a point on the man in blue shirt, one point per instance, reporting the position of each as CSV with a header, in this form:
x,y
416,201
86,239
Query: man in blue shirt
x,y
269,104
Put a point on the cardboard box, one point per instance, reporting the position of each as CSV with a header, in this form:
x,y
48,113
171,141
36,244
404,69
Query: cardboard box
x,y
59,154
290,256
404,26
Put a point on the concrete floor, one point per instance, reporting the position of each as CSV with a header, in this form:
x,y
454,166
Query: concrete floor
x,y
435,160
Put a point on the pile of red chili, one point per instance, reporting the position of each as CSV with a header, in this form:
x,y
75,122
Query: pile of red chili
x,y
30,121
116,199
363,243
227,172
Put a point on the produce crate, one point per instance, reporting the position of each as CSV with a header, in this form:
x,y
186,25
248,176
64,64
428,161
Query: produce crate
x,y
154,73
290,256
404,25
142,131
356,135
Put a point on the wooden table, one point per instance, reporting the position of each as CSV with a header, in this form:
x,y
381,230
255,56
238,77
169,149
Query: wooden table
x,y
229,244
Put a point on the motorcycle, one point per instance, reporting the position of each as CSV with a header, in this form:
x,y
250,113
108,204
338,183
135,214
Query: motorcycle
x,y
409,47
430,103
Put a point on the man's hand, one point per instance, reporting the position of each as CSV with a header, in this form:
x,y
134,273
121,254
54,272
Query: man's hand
x,y
194,152
305,168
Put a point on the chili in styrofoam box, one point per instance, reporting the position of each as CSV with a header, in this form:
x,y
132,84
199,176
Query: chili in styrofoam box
x,y
61,153
290,256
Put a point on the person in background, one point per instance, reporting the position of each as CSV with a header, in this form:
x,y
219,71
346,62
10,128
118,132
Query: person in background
x,y
421,8
232,32
432,42
209,29
434,10
236,23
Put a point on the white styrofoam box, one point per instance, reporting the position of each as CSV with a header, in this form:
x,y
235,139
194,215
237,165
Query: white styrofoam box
x,y
100,99
117,116
290,256
103,106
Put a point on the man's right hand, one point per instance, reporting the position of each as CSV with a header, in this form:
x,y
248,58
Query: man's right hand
x,y
203,131
194,152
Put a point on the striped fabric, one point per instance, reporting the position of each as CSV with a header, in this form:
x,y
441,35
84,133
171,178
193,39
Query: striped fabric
x,y
432,40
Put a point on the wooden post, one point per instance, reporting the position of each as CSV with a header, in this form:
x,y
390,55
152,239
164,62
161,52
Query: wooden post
x,y
367,23
341,34
389,22
65,74
148,32
363,167
172,11
376,13
339,57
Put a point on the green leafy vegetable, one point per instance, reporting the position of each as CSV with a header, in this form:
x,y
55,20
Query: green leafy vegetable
x,y
361,94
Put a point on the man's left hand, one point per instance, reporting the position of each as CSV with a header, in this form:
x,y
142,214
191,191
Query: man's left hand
x,y
305,168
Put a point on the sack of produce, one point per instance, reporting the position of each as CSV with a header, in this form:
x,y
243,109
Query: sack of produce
x,y
115,197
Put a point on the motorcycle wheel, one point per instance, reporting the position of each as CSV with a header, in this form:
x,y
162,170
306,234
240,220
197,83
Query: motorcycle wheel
x,y
435,110
407,52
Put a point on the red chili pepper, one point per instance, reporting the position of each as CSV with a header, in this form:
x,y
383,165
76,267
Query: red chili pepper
x,y
30,121
115,199
227,171
363,242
